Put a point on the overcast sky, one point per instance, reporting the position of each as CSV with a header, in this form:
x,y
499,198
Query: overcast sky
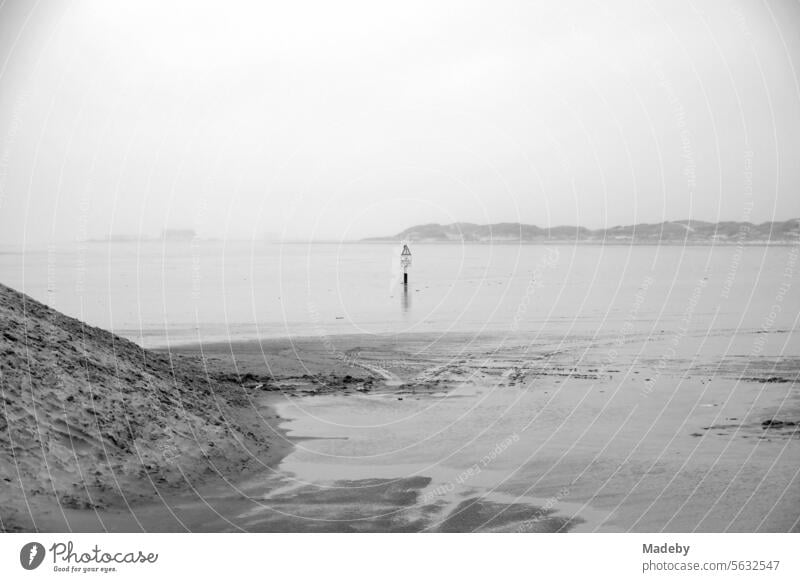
x,y
340,120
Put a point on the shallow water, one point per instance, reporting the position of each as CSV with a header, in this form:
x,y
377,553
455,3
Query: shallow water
x,y
160,294
457,478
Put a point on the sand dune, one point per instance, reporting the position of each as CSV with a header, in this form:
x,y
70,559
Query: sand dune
x,y
90,420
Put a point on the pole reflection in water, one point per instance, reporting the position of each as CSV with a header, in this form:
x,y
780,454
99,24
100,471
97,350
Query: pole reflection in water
x,y
406,299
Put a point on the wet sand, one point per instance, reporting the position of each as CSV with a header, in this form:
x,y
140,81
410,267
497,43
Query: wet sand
x,y
461,432
657,432
401,433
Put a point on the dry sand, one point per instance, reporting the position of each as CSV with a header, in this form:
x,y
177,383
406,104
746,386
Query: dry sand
x,y
90,422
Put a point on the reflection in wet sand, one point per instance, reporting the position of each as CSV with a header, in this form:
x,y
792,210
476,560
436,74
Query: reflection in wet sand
x,y
367,479
395,505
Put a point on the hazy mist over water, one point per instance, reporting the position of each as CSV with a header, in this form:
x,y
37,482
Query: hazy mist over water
x,y
320,121
159,294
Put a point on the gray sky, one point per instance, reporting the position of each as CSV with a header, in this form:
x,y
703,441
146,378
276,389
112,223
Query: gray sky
x,y
343,120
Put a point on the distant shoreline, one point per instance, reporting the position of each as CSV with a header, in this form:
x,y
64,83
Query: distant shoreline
x,y
597,243
678,232
7,250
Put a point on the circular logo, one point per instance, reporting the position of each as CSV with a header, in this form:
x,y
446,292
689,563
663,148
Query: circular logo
x,y
31,555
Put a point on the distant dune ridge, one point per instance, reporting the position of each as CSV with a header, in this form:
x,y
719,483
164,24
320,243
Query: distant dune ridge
x,y
88,419
679,231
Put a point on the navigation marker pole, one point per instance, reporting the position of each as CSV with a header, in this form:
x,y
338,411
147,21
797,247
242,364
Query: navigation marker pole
x,y
405,261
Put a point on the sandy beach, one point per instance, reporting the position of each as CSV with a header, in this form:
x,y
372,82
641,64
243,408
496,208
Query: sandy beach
x,y
613,433
622,420
593,434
